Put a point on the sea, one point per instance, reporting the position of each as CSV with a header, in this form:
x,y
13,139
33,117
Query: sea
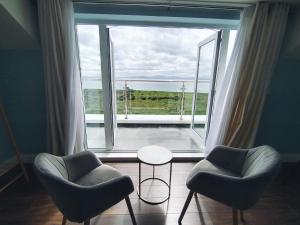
x,y
167,85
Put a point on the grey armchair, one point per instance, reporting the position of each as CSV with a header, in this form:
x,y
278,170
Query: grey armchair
x,y
234,177
81,186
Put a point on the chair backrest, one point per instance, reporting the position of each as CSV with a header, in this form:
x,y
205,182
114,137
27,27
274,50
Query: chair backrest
x,y
52,173
261,161
50,165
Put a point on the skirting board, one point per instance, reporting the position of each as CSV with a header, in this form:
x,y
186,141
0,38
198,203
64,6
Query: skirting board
x,y
131,157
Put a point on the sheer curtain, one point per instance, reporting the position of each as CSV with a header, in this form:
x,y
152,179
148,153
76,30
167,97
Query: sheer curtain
x,y
242,91
65,110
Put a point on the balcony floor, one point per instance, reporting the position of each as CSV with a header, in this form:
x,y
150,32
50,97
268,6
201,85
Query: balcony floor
x,y
133,138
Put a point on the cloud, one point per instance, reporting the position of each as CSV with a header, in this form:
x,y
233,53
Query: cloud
x,y
156,52
147,52
89,50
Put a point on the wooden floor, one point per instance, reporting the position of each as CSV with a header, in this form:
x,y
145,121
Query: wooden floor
x,y
280,205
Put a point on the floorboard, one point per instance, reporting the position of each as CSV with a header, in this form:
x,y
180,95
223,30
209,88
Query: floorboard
x,y
280,204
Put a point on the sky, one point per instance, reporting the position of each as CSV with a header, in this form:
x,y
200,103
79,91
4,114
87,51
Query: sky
x,y
147,52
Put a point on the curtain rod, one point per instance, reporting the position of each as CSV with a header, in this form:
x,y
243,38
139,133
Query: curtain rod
x,y
173,4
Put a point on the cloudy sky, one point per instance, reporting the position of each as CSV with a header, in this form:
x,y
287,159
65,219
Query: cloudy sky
x,y
146,52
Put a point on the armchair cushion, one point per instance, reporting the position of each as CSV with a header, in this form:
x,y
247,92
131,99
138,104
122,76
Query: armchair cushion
x,y
205,166
98,175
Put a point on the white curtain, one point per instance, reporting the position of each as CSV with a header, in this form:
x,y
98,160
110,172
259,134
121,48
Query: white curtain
x,y
243,88
65,111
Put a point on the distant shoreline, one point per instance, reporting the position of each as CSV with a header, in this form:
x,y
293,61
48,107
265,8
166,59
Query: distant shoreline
x,y
168,85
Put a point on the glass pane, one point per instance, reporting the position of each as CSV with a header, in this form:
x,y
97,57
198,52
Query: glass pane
x,y
89,54
205,73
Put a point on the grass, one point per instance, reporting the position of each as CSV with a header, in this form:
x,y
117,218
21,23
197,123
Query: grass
x,y
146,102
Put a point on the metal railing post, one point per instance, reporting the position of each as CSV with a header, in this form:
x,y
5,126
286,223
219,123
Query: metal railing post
x,y
126,100
182,101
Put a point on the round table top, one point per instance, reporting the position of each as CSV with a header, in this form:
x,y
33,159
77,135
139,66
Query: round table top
x,y
154,155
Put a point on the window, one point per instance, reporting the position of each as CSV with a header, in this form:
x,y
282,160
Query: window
x,y
151,84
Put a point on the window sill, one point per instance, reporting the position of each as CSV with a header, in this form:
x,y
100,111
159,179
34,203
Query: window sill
x,y
132,157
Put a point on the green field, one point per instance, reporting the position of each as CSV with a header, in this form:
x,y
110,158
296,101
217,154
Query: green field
x,y
146,102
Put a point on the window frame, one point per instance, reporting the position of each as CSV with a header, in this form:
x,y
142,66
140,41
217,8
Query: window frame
x,y
106,20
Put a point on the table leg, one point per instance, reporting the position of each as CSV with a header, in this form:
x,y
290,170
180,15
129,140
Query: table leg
x,y
153,171
170,179
140,179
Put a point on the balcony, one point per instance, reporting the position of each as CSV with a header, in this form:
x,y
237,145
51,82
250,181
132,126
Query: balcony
x,y
148,112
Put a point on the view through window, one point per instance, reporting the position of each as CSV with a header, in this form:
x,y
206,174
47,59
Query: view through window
x,y
154,78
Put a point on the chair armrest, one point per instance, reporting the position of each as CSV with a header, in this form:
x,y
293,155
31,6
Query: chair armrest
x,y
231,159
239,193
81,163
79,203
100,197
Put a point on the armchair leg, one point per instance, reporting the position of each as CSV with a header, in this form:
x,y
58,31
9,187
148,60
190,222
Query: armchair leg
x,y
64,221
128,203
186,204
87,222
235,217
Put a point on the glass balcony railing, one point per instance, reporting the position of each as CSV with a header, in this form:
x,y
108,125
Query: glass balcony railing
x,y
148,97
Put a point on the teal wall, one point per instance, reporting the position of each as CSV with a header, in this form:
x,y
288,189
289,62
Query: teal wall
x,y
22,92
280,122
23,95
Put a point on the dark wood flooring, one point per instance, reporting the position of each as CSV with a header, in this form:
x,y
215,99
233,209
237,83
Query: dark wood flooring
x,y
280,205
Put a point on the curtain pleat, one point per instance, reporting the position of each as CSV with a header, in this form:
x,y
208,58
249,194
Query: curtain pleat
x,y
269,22
65,112
241,94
